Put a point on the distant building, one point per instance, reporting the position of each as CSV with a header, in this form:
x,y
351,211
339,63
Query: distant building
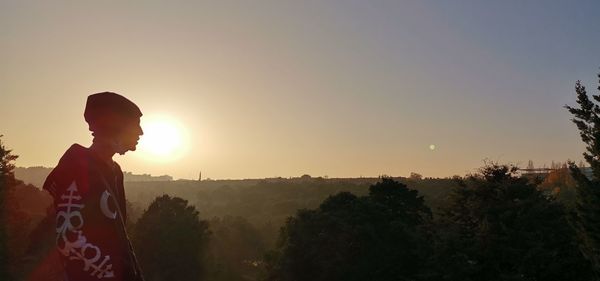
x,y
535,172
129,177
542,173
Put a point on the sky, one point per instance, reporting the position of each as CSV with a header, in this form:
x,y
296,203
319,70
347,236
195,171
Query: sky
x,y
283,88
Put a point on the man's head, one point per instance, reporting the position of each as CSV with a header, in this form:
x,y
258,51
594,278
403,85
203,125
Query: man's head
x,y
114,118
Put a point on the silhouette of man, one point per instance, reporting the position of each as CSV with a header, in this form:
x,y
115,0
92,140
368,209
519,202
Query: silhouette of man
x,y
87,186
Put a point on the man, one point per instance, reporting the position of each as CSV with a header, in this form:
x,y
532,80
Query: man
x,y
87,186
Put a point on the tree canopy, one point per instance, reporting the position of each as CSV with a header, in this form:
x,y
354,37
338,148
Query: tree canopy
x,y
586,117
7,180
499,226
374,237
169,239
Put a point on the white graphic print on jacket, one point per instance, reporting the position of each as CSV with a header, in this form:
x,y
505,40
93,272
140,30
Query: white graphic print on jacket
x,y
72,242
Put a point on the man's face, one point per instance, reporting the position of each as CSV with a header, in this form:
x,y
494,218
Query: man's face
x,y
129,135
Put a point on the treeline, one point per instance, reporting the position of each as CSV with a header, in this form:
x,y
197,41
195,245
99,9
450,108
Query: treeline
x,y
271,201
493,225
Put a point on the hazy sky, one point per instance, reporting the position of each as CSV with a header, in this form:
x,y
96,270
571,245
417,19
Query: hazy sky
x,y
283,88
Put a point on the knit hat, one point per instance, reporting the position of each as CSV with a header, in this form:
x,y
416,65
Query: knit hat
x,y
108,107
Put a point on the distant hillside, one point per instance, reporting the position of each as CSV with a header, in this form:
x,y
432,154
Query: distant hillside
x,y
37,175
272,200
32,175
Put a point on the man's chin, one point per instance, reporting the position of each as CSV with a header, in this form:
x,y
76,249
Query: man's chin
x,y
132,148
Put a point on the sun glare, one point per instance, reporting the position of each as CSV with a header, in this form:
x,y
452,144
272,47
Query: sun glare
x,y
162,139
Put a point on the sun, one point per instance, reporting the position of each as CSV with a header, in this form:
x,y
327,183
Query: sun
x,y
162,139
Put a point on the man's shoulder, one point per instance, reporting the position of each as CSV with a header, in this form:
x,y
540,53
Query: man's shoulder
x,y
75,158
71,164
74,153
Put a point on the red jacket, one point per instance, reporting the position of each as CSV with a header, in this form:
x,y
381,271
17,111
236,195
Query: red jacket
x,y
89,236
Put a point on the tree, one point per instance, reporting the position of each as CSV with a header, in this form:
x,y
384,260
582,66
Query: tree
x,y
587,220
560,184
501,227
14,222
415,176
170,240
7,181
374,237
19,247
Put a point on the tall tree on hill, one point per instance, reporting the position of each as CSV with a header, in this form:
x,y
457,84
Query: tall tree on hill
x,y
7,180
587,220
14,221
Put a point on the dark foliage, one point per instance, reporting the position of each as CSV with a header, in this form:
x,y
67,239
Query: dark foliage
x,y
501,227
374,237
587,219
170,240
7,181
235,250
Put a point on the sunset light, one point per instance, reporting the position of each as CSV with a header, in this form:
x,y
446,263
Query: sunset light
x,y
162,139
